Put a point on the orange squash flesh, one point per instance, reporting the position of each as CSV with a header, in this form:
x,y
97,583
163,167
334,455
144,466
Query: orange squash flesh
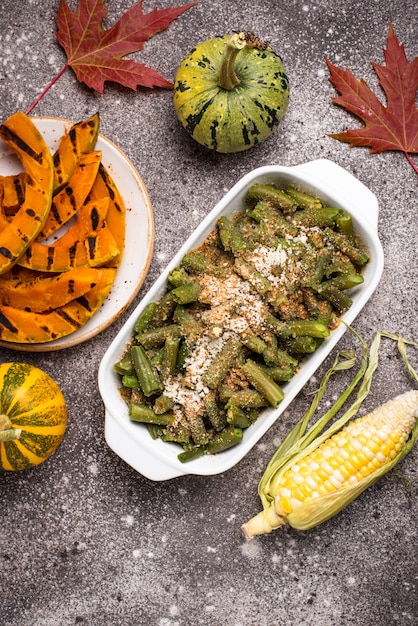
x,y
48,292
80,138
75,247
104,186
22,136
19,326
73,195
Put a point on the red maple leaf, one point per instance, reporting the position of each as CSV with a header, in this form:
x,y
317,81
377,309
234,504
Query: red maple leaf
x,y
96,55
391,127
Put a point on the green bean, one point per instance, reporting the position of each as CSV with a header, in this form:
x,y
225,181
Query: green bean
x,y
164,309
146,317
194,261
263,213
143,413
155,430
125,365
254,343
340,300
301,345
322,216
357,256
186,293
163,404
263,383
230,236
269,193
191,454
261,284
345,225
222,363
178,276
169,357
225,439
297,328
278,374
146,374
235,416
246,399
345,281
303,199
214,413
188,324
317,307
176,434
158,336
130,381
196,425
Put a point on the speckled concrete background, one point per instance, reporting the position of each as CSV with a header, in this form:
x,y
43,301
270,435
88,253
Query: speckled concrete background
x,y
85,539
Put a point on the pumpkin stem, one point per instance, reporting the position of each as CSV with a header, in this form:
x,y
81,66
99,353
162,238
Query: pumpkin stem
x,y
227,77
7,432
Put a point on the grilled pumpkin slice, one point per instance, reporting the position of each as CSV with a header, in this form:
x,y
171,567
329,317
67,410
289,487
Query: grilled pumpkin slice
x,y
13,192
80,138
22,136
46,292
87,243
116,215
73,195
19,326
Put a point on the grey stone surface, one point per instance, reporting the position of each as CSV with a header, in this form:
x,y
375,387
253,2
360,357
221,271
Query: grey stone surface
x,y
85,539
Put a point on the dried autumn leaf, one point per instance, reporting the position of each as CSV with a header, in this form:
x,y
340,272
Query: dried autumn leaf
x,y
391,127
96,54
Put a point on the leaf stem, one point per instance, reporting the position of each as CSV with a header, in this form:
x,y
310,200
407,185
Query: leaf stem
x,y
411,163
47,88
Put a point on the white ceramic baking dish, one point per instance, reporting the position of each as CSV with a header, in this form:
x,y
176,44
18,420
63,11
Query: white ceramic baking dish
x,y
156,459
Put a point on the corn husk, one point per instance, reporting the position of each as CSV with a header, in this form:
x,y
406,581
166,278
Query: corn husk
x,y
300,442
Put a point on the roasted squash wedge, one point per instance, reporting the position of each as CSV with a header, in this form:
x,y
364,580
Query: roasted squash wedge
x,y
19,326
88,242
22,136
47,292
80,138
116,215
13,192
33,416
72,196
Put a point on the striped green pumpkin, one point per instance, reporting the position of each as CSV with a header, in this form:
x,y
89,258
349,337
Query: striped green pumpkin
x,y
33,416
231,93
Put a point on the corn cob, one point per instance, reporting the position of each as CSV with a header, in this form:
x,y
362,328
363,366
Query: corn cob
x,y
323,480
315,474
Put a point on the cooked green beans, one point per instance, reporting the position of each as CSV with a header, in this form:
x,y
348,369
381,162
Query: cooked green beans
x,y
240,313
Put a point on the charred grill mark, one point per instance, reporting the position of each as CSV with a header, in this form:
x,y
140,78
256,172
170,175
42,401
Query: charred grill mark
x,y
67,318
11,137
50,257
19,190
72,253
6,324
73,138
94,216
82,301
55,213
91,245
6,253
71,284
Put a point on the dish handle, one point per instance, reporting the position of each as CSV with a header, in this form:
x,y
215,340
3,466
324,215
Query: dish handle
x,y
337,178
142,460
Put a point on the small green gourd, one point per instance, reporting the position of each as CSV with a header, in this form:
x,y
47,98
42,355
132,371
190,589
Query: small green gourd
x,y
231,92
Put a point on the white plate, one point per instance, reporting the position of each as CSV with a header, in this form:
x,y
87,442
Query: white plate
x,y
157,460
139,241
